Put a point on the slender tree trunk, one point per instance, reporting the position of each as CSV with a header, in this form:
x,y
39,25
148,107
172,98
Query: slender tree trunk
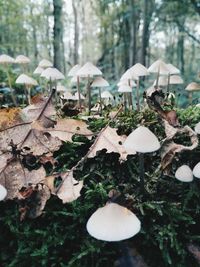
x,y
58,34
76,33
180,50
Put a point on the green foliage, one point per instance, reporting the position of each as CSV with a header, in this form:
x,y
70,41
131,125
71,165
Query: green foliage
x,y
169,210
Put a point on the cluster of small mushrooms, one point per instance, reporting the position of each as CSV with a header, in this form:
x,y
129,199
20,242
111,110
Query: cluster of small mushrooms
x,y
112,222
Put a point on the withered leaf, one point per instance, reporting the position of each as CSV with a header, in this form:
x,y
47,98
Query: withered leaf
x,y
14,176
10,117
66,128
109,139
70,188
32,200
170,148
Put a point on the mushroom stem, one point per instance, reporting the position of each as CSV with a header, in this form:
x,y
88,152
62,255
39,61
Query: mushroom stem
x,y
131,94
100,101
89,95
125,108
157,79
29,95
168,80
190,98
141,169
138,95
10,86
79,93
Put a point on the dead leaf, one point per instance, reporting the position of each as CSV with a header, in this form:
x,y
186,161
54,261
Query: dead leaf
x,y
70,188
32,201
10,117
14,176
170,148
66,128
109,139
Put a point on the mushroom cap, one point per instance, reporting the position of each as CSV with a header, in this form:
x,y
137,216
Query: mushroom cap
x,y
113,223
139,70
22,59
129,75
67,96
6,59
72,72
38,70
175,79
125,89
141,140
196,170
197,128
126,82
184,174
193,87
44,63
76,96
106,94
173,69
162,81
159,66
3,192
198,105
25,79
99,82
61,88
88,70
52,74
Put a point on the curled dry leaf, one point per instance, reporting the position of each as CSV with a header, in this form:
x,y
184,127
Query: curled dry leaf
x,y
170,148
66,128
14,176
70,188
109,139
32,200
31,112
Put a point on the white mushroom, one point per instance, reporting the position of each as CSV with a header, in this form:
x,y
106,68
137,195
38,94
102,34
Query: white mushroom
x,y
184,174
113,223
3,192
44,63
38,70
22,59
196,170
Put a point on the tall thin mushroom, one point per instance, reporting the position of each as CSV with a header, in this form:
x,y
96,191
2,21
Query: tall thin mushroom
x,y
160,68
72,73
89,70
172,70
139,71
100,82
192,87
28,82
125,89
52,74
5,60
23,61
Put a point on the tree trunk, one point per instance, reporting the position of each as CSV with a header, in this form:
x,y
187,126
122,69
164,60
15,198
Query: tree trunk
x,y
58,34
76,33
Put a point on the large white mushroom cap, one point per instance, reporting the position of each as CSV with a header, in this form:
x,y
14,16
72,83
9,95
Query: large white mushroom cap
x,y
175,79
126,82
141,140
129,75
22,59
197,128
6,59
193,87
99,82
184,174
88,70
159,66
106,94
52,74
38,70
173,69
44,63
113,223
162,81
139,70
25,79
125,89
72,72
196,170
3,192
